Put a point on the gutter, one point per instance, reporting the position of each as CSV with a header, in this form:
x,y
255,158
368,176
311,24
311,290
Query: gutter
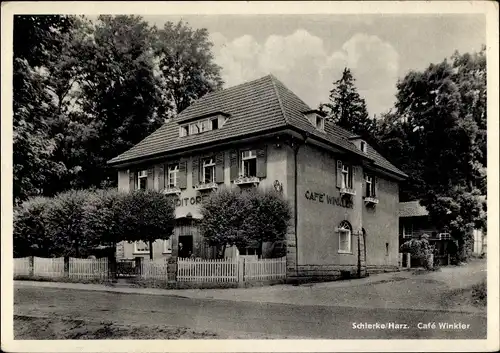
x,y
305,138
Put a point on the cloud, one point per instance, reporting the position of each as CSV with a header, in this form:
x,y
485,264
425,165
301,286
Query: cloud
x,y
302,63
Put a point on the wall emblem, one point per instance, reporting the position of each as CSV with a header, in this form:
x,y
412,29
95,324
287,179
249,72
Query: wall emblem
x,y
278,186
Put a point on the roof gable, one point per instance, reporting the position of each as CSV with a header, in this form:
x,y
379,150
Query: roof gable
x,y
412,209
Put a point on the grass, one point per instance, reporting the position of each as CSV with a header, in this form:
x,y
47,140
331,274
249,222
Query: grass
x,y
473,296
479,293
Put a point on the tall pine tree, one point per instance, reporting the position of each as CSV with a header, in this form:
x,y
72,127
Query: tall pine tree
x,y
347,108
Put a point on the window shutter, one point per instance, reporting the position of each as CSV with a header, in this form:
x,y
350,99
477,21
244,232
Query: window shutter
x,y
375,180
219,167
183,174
261,162
161,177
150,183
339,174
234,167
131,179
196,171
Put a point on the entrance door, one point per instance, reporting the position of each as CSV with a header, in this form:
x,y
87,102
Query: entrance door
x,y
185,246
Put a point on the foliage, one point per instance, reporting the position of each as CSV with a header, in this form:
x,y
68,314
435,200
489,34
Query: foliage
x,y
86,91
146,216
101,217
232,217
269,216
224,216
420,249
187,63
480,293
30,235
437,135
346,107
65,223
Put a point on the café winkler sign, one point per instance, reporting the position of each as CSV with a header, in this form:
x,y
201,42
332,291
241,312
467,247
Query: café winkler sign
x,y
330,200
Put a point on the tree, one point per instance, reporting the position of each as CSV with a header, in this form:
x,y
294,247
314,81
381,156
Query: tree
x,y
420,249
232,217
30,233
438,128
37,42
346,108
102,217
269,217
146,216
187,64
65,223
224,217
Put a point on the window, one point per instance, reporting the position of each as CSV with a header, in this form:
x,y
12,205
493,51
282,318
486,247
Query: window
x,y
320,123
214,123
248,164
346,176
172,176
194,129
208,171
345,233
167,246
386,249
363,146
141,247
184,131
142,180
370,186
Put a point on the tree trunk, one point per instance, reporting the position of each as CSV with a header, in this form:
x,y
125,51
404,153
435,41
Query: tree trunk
x,y
150,250
223,251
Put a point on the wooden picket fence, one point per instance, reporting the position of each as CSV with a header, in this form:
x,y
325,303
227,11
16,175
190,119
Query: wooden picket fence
x,y
22,266
88,268
208,270
51,267
154,269
264,269
231,270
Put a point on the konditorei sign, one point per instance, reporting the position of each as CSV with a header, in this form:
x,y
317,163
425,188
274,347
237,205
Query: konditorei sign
x,y
328,199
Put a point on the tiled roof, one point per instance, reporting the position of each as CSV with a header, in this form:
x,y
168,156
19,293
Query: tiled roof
x,y
412,209
255,107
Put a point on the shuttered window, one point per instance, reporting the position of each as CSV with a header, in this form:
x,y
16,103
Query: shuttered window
x,y
248,163
173,175
142,180
208,171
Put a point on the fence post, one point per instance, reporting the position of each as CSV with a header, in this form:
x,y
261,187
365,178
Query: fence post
x,y
32,266
241,270
448,260
66,266
408,260
112,268
138,267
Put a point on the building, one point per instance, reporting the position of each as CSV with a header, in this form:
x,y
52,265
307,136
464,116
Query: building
x,y
414,222
260,134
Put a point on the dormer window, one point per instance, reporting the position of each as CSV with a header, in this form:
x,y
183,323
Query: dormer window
x,y
214,123
202,125
362,146
320,123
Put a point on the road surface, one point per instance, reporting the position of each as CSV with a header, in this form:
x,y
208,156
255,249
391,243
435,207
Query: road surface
x,y
307,321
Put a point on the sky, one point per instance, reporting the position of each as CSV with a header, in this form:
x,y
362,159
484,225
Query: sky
x,y
308,52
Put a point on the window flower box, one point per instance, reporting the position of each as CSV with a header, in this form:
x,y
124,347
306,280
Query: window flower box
x,y
207,186
171,191
371,200
347,191
246,180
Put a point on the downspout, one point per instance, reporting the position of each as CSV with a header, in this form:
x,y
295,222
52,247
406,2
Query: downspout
x,y
295,204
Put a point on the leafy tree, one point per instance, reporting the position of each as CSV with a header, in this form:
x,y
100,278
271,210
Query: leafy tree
x,y
146,216
37,42
30,233
437,134
65,223
347,108
187,64
232,217
102,217
269,217
225,214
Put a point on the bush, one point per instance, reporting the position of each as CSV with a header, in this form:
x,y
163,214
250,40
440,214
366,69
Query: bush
x,y
420,249
480,293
